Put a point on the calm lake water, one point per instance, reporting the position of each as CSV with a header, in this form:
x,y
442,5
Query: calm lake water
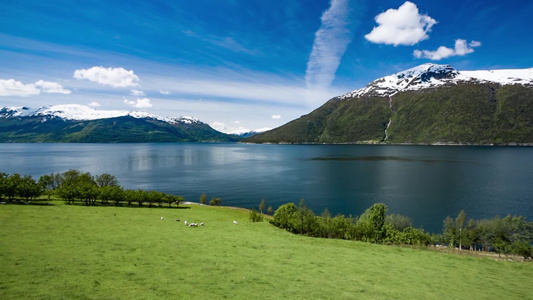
x,y
426,183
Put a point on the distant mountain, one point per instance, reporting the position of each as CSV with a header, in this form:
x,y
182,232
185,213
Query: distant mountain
x,y
81,124
248,133
428,104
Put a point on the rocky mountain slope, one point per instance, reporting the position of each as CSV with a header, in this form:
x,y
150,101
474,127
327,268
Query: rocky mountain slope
x,y
428,104
79,123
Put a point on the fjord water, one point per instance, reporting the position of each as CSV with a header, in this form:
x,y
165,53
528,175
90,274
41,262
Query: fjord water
x,y
426,183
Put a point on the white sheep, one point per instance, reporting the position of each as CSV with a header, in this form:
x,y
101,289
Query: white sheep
x,y
185,222
161,218
202,224
235,222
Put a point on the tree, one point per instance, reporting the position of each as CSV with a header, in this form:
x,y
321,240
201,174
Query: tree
x,y
460,223
3,183
284,215
398,222
11,186
203,198
270,210
262,205
28,188
106,180
254,216
215,202
370,225
449,230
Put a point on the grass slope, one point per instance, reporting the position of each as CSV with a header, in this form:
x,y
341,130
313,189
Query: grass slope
x,y
75,252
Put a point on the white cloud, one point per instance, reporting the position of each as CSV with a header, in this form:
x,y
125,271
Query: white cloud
x,y
115,77
218,126
139,103
164,92
51,87
402,26
137,93
275,117
461,48
11,87
94,104
329,46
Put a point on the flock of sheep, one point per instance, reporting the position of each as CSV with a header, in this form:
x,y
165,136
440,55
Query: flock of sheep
x,y
195,224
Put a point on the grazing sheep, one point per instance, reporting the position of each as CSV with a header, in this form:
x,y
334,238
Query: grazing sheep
x,y
185,222
235,222
202,224
161,218
193,225
177,220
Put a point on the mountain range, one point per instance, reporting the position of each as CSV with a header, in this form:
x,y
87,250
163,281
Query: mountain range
x,y
75,123
427,104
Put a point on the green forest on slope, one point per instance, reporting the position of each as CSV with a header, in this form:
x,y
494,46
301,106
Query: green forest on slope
x,y
471,113
113,130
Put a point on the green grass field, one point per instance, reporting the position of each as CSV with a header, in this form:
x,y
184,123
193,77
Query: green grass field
x,y
77,252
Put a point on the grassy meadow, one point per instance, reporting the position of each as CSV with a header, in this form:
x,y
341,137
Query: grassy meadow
x,y
79,252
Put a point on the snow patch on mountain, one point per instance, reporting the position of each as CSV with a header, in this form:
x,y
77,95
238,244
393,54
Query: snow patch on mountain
x,y
433,75
82,112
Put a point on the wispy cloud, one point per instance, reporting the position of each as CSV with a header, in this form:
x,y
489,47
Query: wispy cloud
x,y
137,93
461,48
94,104
329,46
402,26
115,77
275,117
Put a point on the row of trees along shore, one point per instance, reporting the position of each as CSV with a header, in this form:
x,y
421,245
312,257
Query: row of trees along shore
x,y
508,235
74,186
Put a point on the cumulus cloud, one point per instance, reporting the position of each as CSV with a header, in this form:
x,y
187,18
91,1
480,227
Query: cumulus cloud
x,y
137,93
461,48
115,77
11,87
51,87
402,26
139,103
94,104
218,126
164,92
329,45
275,117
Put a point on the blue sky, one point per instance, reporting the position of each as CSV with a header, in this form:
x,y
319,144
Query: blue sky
x,y
241,64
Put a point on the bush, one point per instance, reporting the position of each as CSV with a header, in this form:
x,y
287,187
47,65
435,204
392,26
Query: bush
x,y
255,216
215,202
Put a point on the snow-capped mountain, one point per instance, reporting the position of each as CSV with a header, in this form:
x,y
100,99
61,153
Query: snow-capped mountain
x,y
434,75
427,104
75,123
82,112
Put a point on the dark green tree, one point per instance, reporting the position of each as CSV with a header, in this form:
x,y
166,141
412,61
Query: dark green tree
x,y
203,198
215,202
106,180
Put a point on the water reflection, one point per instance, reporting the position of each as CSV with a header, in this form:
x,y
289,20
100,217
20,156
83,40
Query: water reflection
x,y
424,183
